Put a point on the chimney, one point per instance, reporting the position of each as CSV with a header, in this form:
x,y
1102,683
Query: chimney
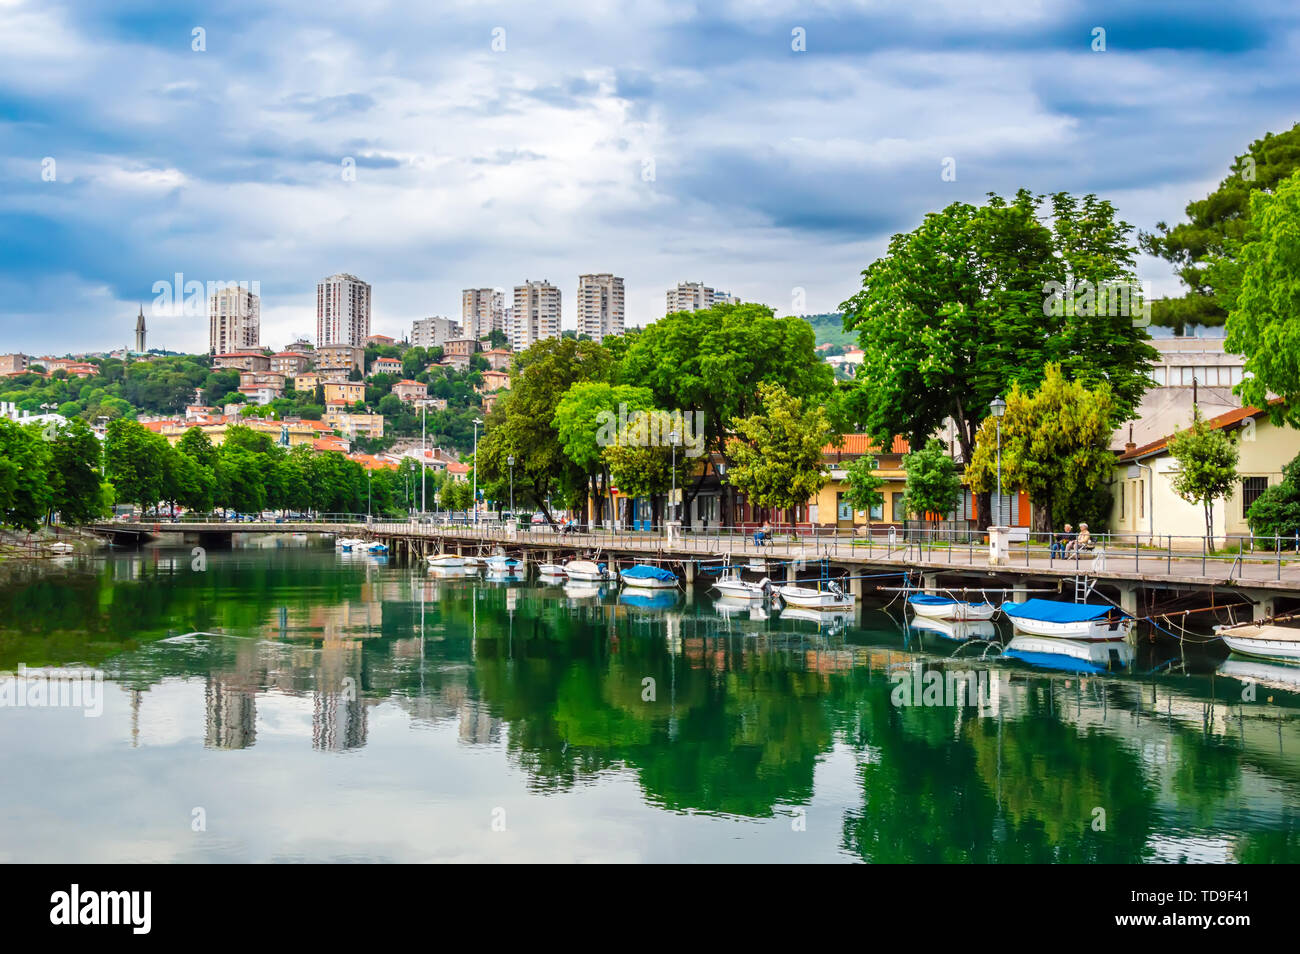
x,y
1130,447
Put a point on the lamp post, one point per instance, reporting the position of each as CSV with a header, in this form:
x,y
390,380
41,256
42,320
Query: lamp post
x,y
477,422
673,438
999,407
367,494
424,455
510,462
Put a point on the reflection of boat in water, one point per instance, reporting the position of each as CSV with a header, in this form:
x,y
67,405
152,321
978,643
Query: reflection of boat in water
x,y
1274,675
1062,620
61,548
1262,640
646,577
831,598
731,586
1071,655
832,620
452,572
648,599
583,590
947,608
960,630
732,609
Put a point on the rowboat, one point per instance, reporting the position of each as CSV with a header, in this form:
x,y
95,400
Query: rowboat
x,y
551,569
945,607
62,547
1062,620
585,570
1262,640
1071,655
347,543
960,630
733,587
646,577
831,598
445,560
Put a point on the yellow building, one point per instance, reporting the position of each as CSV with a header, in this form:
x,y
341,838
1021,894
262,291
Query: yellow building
x,y
346,392
1144,501
831,507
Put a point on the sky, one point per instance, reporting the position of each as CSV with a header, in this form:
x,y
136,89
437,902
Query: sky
x,y
430,147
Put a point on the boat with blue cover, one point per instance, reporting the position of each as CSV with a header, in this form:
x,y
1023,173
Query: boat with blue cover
x,y
648,577
1057,618
933,606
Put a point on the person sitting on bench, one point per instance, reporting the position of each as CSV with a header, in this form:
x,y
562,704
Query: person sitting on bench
x,y
1061,541
764,535
1081,543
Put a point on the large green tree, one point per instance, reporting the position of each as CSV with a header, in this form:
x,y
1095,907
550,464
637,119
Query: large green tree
x,y
586,422
933,484
25,492
969,303
74,478
777,451
134,460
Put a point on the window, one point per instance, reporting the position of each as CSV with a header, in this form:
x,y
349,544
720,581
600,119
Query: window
x,y
878,510
899,513
1160,376
1251,488
1142,498
844,509
1123,493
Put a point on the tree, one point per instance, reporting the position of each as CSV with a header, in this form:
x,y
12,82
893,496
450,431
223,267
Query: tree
x,y
1207,460
1263,323
1205,249
74,476
933,485
777,452
133,458
956,312
709,364
1055,447
197,445
640,458
25,493
585,421
1276,512
864,484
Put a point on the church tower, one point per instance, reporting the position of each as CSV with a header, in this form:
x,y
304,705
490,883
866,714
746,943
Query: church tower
x,y
139,332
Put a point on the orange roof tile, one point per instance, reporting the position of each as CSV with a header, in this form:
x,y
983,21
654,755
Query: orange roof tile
x,y
855,445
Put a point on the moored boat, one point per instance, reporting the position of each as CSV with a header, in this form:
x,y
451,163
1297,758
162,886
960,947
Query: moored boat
x,y
831,598
1262,640
1062,620
945,607
445,560
551,569
646,577
587,570
731,586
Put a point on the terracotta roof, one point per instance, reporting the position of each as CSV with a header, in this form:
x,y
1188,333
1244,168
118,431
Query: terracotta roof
x,y
329,444
1232,417
855,445
456,467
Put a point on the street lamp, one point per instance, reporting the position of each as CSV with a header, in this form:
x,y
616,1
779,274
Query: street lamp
x,y
477,422
673,438
424,456
999,407
367,495
510,461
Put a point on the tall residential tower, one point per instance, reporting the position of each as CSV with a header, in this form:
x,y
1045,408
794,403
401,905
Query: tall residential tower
x,y
536,314
482,311
342,311
234,320
600,305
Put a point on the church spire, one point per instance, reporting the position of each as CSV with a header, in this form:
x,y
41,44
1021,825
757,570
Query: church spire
x,y
140,332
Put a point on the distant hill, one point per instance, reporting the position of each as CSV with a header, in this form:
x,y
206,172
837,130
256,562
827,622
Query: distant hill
x,y
829,329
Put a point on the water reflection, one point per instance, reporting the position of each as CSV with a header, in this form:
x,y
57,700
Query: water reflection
x,y
644,713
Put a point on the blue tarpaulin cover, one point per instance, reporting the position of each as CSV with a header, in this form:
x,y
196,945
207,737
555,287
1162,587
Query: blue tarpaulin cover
x,y
1055,611
925,599
643,572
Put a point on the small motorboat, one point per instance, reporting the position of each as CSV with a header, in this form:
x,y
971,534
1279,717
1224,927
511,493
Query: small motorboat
x,y
647,577
62,548
586,570
500,562
959,630
445,560
1262,640
1071,655
831,598
551,569
347,543
731,586
933,606
1062,620
377,548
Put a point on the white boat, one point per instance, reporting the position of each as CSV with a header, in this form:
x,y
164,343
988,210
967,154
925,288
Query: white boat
x,y
551,569
1072,655
831,598
586,570
1098,622
347,543
62,547
646,577
500,562
960,630
945,607
1262,640
377,548
445,560
731,586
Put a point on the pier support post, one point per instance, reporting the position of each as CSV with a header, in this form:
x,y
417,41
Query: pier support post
x,y
1265,606
791,574
929,581
688,571
857,587
1128,599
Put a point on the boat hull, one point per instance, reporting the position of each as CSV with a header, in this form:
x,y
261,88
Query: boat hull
x,y
955,611
647,583
815,599
584,570
1099,631
446,562
1263,648
739,590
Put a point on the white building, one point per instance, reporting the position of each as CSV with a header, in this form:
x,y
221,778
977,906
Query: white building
x,y
433,332
342,310
482,311
234,320
696,296
600,305
535,315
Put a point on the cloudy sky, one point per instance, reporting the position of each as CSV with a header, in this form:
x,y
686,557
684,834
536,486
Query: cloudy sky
x,y
432,146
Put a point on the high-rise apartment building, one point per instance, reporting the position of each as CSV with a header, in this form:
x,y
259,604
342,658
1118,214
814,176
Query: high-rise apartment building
x,y
342,310
234,320
535,315
600,305
433,332
696,296
482,311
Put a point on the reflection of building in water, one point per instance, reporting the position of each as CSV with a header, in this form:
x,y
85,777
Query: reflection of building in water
x,y
230,720
338,720
477,725
348,618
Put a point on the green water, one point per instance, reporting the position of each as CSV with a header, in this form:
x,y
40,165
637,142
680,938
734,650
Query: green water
x,y
352,710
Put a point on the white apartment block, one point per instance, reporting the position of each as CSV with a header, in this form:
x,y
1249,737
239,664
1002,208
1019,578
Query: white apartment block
x,y
536,314
433,332
342,310
600,305
234,320
696,296
482,311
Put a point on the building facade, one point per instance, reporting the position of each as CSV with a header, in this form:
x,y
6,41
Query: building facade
x,y
600,305
243,361
696,296
482,311
535,314
433,332
234,320
342,310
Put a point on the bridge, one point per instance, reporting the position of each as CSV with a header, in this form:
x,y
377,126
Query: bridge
x,y
1129,567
